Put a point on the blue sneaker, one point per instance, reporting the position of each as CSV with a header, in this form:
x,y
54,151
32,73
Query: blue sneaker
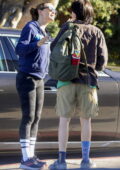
x,y
40,163
87,164
30,164
58,166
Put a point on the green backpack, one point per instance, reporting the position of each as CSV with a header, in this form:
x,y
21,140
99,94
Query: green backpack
x,y
65,56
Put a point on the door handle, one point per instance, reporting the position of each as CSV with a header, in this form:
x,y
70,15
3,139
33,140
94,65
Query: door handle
x,y
49,88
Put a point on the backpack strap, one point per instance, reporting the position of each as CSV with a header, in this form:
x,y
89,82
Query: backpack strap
x,y
75,28
85,62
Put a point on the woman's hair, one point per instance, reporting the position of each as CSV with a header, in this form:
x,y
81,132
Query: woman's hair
x,y
34,11
83,10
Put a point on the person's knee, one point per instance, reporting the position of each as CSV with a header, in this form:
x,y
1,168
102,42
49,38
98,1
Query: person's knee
x,y
28,119
37,118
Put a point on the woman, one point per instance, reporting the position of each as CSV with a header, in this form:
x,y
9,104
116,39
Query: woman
x,y
33,49
78,93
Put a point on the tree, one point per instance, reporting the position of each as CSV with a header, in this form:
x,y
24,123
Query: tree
x,y
15,13
12,11
107,18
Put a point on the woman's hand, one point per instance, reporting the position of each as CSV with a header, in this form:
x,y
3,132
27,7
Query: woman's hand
x,y
42,41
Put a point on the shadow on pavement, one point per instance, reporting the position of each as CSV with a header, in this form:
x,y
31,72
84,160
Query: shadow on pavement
x,y
74,169
95,169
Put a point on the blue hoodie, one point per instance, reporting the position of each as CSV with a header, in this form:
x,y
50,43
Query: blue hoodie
x,y
33,60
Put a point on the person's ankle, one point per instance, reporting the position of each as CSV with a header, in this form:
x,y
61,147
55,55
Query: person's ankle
x,y
63,161
86,160
61,157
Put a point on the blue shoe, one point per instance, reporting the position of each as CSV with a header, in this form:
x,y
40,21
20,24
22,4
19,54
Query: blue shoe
x,y
58,166
40,163
30,164
87,164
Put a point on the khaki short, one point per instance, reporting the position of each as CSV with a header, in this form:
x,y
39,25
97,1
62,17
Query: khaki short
x,y
77,99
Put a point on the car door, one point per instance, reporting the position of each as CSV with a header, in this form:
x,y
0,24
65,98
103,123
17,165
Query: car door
x,y
10,113
9,103
49,123
104,126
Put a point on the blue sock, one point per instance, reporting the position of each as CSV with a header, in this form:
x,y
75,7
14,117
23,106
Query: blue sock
x,y
61,157
85,150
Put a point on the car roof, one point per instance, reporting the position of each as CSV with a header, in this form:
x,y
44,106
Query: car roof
x,y
9,32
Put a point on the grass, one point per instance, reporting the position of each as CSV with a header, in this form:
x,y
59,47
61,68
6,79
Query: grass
x,y
113,67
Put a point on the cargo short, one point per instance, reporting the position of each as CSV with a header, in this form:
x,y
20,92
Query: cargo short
x,y
77,100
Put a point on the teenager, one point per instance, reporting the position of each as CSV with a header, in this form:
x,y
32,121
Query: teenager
x,y
80,94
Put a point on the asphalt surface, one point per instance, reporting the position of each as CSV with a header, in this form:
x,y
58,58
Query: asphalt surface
x,y
109,160
74,164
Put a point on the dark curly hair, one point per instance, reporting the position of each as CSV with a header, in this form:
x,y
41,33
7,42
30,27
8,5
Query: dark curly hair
x,y
83,10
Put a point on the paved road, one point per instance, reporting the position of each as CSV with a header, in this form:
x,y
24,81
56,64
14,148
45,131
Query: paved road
x,y
104,160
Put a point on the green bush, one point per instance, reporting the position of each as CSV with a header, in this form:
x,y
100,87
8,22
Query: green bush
x,y
107,15
53,28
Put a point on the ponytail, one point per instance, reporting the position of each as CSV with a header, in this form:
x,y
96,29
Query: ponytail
x,y
34,11
34,14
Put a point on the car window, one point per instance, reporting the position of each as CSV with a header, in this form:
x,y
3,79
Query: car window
x,y
14,40
3,62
